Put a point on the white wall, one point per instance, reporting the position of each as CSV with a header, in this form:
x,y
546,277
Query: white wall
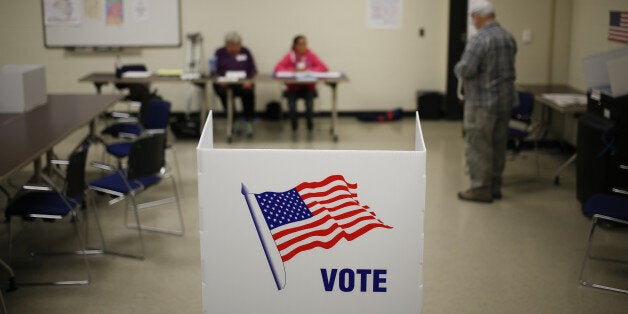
x,y
386,67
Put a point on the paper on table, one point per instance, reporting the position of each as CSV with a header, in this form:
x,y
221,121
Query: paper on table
x,y
284,74
227,79
169,72
237,75
565,100
136,74
190,76
330,74
308,74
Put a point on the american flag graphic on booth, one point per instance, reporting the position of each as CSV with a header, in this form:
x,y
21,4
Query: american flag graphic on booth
x,y
618,26
312,215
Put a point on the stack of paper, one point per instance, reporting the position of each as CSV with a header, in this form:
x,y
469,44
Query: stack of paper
x,y
190,76
307,75
284,74
136,74
565,100
330,74
169,72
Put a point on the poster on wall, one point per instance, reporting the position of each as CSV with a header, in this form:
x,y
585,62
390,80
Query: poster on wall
x,y
384,14
115,12
62,12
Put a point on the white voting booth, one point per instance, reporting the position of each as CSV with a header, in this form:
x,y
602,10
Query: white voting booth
x,y
311,231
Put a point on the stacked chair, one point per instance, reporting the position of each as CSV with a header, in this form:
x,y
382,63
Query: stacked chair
x,y
154,114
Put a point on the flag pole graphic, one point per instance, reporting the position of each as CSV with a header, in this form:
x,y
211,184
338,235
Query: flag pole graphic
x,y
268,243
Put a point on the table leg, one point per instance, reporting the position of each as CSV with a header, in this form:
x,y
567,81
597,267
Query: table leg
x,y
562,167
98,86
204,105
334,110
37,170
50,155
229,114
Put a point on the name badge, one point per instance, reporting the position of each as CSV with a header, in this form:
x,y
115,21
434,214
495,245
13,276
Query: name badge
x,y
241,57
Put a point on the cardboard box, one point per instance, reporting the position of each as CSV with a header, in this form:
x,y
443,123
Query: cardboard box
x,y
22,87
311,231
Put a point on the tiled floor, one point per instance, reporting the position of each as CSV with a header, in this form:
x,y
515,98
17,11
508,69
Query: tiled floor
x,y
521,254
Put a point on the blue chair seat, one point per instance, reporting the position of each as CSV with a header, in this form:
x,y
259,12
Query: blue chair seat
x,y
608,205
517,133
116,129
42,203
119,150
115,182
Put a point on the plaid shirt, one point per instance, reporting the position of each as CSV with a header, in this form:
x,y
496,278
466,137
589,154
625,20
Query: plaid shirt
x,y
487,68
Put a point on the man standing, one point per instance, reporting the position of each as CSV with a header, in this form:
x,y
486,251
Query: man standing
x,y
487,69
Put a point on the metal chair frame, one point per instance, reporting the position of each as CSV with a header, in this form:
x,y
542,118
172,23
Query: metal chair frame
x,y
132,204
594,223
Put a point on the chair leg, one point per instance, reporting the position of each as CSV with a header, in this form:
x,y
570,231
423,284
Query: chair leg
x,y
94,208
74,221
180,213
104,249
536,154
175,200
588,256
139,230
586,253
176,164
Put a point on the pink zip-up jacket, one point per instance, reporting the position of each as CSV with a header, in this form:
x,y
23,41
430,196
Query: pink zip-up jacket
x,y
289,64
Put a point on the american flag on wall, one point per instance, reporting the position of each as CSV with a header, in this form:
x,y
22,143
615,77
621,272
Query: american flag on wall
x,y
618,26
311,215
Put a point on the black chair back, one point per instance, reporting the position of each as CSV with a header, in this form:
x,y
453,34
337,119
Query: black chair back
x,y
137,92
147,156
155,114
75,172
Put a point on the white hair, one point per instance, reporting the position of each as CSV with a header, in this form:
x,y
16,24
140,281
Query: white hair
x,y
482,8
233,38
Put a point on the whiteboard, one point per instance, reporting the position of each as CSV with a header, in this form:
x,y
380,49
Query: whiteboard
x,y
111,23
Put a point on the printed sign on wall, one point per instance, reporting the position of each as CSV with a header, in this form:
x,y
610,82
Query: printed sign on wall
x,y
311,231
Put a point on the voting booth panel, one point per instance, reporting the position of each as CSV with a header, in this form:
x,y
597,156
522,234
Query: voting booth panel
x,y
310,231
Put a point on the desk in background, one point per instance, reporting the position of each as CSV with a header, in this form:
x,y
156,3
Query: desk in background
x,y
100,79
559,119
269,78
564,125
103,78
25,137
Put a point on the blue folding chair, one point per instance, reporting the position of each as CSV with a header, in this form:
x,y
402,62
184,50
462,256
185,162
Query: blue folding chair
x,y
519,130
145,168
609,211
154,116
49,203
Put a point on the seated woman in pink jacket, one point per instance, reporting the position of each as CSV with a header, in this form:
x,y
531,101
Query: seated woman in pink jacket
x,y
297,60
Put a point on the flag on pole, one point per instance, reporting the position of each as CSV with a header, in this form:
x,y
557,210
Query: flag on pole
x,y
311,215
618,26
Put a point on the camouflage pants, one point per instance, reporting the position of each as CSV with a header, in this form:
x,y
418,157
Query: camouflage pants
x,y
486,136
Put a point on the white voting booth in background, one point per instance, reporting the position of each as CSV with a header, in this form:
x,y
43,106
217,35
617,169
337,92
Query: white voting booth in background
x,y
311,231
